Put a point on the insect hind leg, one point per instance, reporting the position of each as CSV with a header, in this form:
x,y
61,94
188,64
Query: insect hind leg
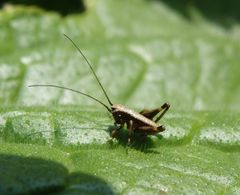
x,y
163,108
152,113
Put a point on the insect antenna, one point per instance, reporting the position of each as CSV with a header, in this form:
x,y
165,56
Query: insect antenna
x,y
69,89
90,66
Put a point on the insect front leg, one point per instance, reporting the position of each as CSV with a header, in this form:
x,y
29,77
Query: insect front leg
x,y
114,132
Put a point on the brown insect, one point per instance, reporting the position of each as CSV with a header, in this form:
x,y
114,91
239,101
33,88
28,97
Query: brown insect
x,y
142,122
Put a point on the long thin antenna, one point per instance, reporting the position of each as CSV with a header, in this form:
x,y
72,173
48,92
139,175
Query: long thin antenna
x,y
60,87
89,67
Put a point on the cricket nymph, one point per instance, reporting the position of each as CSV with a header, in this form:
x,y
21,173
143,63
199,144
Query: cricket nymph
x,y
142,122
138,122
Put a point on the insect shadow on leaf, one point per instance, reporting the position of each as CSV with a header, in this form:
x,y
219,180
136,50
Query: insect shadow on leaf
x,y
139,141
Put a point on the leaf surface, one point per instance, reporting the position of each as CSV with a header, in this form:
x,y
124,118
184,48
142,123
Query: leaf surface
x,y
57,141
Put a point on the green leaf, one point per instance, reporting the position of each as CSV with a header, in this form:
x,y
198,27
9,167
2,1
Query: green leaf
x,y
145,54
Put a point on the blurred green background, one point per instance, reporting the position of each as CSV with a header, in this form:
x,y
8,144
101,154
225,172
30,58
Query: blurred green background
x,y
145,53
185,53
222,12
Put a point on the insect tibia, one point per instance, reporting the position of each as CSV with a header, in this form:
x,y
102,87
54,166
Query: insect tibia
x,y
164,108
